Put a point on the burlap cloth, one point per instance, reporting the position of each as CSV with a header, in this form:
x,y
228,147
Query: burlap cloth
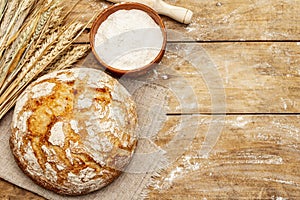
x,y
147,159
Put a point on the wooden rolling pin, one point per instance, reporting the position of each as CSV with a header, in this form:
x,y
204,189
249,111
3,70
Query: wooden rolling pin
x,y
179,14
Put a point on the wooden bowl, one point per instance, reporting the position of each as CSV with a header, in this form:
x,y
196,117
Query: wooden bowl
x,y
128,6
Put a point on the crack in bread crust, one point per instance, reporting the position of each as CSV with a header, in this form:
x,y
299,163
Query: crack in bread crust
x,y
75,137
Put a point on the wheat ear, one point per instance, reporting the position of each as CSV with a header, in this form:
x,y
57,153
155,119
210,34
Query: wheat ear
x,y
43,20
69,58
35,43
29,19
56,19
64,41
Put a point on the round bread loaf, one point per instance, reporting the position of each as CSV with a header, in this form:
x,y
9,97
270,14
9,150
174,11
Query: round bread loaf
x,y
73,131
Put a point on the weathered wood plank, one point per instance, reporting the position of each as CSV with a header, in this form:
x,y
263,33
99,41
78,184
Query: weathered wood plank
x,y
226,77
241,20
257,77
255,157
223,20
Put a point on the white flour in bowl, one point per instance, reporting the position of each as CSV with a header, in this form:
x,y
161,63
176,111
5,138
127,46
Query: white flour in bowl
x,y
128,39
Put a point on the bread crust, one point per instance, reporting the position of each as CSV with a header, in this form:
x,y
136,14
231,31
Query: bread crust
x,y
73,131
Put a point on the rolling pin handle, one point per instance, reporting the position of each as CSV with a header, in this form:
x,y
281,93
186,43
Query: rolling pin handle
x,y
180,14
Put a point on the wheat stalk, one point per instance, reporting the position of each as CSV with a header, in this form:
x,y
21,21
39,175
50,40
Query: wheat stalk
x,y
57,19
51,21
27,69
15,54
16,51
25,8
24,5
49,2
3,7
31,49
43,50
5,108
27,53
12,7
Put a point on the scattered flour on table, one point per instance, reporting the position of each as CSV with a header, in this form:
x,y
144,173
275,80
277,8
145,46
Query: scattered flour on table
x,y
188,165
240,122
279,198
128,39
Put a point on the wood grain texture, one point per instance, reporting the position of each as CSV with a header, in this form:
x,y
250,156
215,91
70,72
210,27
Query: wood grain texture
x,y
256,157
256,77
226,20
240,20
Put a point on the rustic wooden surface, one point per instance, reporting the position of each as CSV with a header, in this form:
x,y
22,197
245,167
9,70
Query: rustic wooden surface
x,y
255,47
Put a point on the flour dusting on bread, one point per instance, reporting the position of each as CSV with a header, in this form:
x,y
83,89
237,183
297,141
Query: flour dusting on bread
x,y
73,130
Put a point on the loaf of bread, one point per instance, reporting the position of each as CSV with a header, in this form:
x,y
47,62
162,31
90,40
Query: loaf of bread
x,y
73,131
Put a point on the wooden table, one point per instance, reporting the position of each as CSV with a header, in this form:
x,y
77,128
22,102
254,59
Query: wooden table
x,y
254,46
